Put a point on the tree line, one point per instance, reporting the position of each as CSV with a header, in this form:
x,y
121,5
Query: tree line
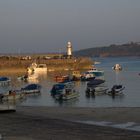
x,y
129,49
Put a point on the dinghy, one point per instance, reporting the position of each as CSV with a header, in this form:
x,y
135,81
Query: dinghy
x,y
116,90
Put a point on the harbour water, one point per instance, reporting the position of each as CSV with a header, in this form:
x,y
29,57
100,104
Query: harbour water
x,y
129,77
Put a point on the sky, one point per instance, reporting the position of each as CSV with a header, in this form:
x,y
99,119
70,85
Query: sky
x,y
44,26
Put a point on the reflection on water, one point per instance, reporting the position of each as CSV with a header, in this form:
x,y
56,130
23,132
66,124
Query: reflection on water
x,y
62,103
36,81
129,78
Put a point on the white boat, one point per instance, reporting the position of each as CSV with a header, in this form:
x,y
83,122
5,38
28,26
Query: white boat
x,y
29,77
117,67
87,76
37,68
96,72
96,90
92,73
116,90
13,96
101,90
60,88
97,62
67,94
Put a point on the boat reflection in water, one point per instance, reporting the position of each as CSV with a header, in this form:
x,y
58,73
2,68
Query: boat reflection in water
x,y
71,102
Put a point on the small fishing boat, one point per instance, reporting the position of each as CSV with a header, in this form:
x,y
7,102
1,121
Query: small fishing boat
x,y
67,94
58,88
31,88
91,74
61,79
23,78
37,68
116,90
117,67
87,76
13,95
76,76
101,90
28,77
94,83
4,80
96,90
96,72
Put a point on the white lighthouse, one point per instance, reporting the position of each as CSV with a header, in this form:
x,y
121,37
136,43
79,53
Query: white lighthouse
x,y
69,50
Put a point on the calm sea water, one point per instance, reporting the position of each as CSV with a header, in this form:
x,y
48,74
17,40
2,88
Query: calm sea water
x,y
129,77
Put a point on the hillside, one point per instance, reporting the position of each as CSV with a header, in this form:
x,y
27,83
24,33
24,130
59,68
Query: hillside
x,y
130,49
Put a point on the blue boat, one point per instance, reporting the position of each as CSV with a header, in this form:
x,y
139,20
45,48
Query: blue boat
x,y
31,88
58,88
95,83
4,80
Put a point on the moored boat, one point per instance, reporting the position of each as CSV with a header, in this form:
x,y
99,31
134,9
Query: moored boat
x,y
117,67
116,90
91,74
96,90
37,68
87,76
31,88
60,79
76,75
67,94
96,72
4,80
101,90
58,88
94,83
13,95
28,77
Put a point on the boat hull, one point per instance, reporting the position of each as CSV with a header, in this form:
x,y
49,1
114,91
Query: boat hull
x,y
31,88
67,97
31,91
116,90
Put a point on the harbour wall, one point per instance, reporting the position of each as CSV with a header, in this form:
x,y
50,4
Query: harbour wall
x,y
18,65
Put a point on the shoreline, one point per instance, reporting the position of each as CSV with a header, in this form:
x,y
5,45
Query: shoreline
x,y
85,113
56,123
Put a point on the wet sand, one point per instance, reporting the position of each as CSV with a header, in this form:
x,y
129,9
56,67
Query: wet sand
x,y
55,123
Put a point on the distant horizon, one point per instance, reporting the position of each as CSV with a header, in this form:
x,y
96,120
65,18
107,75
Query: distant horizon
x,y
41,53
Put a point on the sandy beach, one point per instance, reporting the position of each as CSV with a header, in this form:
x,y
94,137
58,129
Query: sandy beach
x,y
55,123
